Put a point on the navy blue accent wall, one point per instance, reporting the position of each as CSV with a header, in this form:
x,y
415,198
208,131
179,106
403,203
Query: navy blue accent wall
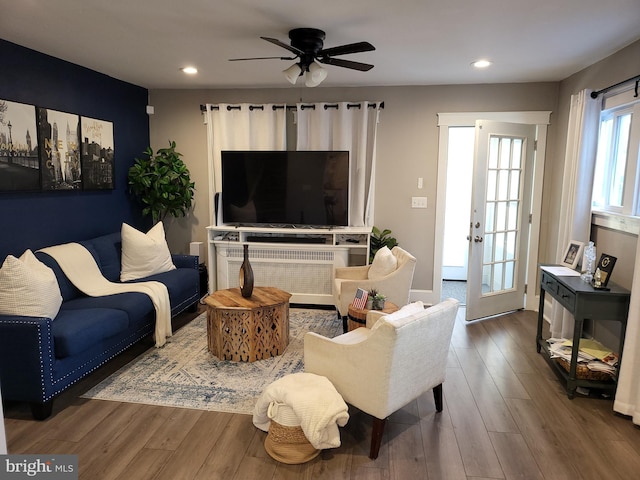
x,y
35,220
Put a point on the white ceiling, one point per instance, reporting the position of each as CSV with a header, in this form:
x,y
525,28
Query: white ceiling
x,y
418,42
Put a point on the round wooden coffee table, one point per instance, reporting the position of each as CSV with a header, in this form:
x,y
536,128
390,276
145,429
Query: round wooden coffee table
x,y
358,316
247,329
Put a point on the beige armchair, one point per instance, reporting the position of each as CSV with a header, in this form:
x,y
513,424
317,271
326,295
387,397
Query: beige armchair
x,y
380,370
396,285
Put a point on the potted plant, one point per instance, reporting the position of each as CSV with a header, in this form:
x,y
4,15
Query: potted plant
x,y
162,183
375,300
379,239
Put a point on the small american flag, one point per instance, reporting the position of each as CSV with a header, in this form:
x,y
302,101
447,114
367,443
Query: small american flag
x,y
361,299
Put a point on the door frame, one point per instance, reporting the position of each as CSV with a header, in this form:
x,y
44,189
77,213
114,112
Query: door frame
x,y
468,119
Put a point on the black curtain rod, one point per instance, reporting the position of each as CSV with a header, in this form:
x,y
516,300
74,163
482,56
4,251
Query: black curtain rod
x,y
611,87
203,108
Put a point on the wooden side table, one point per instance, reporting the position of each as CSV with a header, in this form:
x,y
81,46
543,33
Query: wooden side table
x,y
358,316
248,329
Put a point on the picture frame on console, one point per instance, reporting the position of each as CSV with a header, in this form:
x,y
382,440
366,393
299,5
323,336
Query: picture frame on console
x,y
572,254
18,147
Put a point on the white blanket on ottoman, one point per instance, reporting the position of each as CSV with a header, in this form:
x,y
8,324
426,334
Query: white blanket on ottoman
x,y
316,402
80,267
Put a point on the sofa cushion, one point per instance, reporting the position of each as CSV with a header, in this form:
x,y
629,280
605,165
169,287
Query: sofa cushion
x,y
144,254
76,330
28,287
384,263
137,306
182,284
107,251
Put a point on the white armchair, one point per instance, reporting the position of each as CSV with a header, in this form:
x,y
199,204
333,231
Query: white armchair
x,y
380,370
394,283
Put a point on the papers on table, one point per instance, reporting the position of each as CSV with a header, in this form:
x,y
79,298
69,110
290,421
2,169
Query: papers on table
x,y
560,271
596,356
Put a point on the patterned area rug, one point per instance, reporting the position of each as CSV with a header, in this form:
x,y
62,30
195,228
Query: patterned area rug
x,y
184,374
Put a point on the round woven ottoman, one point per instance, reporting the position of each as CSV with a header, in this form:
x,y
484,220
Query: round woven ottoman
x,y
285,440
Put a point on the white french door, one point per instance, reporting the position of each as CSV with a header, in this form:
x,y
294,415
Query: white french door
x,y
499,224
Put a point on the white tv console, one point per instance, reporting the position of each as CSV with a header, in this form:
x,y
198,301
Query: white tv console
x,y
297,260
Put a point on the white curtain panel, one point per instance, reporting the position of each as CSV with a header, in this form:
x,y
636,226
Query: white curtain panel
x,y
241,127
577,185
350,126
627,401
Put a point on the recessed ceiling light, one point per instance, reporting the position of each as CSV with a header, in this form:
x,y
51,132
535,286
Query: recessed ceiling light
x,y
481,63
190,70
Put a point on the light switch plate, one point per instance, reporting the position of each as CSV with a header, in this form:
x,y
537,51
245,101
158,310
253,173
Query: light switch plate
x,y
418,202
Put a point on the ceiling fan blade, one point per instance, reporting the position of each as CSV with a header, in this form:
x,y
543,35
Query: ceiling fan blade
x,y
363,67
275,41
261,58
346,49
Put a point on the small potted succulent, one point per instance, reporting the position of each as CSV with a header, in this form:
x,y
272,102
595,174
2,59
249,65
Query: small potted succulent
x,y
377,300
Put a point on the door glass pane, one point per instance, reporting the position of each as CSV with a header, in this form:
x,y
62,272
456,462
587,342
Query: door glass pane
x,y
501,217
489,224
486,279
498,250
505,152
514,186
491,185
494,143
511,245
517,153
503,184
498,281
509,274
488,248
512,215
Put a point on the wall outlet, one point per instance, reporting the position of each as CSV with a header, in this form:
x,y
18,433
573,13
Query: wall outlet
x,y
418,202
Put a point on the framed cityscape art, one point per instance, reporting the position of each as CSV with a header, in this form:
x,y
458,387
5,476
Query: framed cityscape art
x,y
19,165
97,154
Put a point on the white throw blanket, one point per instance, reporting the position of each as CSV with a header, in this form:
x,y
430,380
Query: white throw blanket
x,y
316,402
80,267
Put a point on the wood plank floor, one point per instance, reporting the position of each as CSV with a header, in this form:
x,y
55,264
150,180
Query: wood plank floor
x,y
505,416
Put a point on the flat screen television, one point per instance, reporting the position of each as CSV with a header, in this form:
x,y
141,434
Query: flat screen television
x,y
285,188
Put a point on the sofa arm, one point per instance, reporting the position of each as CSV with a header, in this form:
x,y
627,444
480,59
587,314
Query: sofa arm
x,y
185,261
26,358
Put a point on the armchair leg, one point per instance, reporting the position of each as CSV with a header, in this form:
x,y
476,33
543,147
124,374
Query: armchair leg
x,y
345,324
376,437
437,396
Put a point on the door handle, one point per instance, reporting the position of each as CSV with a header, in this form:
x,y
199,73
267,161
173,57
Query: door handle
x,y
477,239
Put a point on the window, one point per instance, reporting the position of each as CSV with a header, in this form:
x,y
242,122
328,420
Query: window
x,y
615,186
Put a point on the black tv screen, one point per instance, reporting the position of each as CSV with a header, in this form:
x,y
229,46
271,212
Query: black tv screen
x,y
282,188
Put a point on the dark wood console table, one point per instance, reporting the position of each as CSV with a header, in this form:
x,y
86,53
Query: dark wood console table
x,y
585,303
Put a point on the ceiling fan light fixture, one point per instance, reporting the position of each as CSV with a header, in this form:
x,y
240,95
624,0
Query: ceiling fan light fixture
x,y
315,75
292,73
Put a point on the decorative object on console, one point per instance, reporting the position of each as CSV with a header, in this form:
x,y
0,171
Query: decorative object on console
x,y
246,274
572,254
603,270
589,262
162,183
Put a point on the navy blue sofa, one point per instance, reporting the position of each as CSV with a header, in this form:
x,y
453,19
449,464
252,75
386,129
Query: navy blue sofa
x,y
41,357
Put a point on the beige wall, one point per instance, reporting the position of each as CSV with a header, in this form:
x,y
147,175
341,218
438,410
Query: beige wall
x,y
407,147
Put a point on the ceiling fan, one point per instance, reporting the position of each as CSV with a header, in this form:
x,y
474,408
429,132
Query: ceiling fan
x,y
307,45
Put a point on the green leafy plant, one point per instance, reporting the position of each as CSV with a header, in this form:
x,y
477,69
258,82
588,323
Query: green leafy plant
x,y
379,239
161,182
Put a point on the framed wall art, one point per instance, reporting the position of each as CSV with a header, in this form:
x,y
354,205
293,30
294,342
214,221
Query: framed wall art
x,y
59,137
97,154
572,254
19,165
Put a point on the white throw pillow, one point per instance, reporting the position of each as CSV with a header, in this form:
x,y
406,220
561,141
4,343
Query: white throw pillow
x,y
28,287
144,254
399,317
383,264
